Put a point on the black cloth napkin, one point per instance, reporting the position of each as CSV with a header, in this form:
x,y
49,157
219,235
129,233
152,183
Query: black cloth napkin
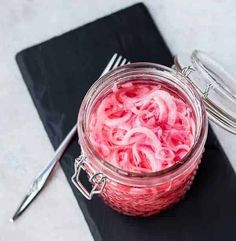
x,y
58,73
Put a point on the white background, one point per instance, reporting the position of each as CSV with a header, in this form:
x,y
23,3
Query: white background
x,y
186,25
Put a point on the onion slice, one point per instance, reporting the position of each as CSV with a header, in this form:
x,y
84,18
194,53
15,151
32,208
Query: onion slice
x,y
141,127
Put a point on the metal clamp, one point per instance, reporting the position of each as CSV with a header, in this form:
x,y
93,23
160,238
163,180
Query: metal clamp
x,y
97,179
186,71
207,90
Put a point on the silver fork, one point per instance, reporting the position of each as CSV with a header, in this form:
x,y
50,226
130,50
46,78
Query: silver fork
x,y
40,180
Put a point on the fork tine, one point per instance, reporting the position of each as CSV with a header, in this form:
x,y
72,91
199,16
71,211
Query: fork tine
x,y
109,66
116,64
123,62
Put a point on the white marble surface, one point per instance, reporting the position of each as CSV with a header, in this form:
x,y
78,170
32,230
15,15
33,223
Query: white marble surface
x,y
204,24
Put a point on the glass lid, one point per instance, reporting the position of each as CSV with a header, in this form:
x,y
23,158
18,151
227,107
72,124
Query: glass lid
x,y
215,85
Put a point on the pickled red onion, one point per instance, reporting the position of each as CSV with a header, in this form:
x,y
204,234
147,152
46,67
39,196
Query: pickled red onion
x,y
142,127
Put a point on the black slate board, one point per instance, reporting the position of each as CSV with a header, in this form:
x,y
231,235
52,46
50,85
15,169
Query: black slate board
x,y
58,73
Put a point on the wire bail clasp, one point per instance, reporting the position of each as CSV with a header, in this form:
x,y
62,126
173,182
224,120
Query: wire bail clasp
x,y
186,71
97,179
207,90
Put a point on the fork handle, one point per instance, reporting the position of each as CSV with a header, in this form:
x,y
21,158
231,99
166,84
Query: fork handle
x,y
58,154
40,180
60,150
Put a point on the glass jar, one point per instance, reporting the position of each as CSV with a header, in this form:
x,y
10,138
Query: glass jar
x,y
144,194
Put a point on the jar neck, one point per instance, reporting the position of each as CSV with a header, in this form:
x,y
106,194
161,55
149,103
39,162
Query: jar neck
x,y
160,74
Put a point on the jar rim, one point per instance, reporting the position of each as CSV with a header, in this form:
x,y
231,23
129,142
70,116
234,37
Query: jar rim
x,y
202,132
